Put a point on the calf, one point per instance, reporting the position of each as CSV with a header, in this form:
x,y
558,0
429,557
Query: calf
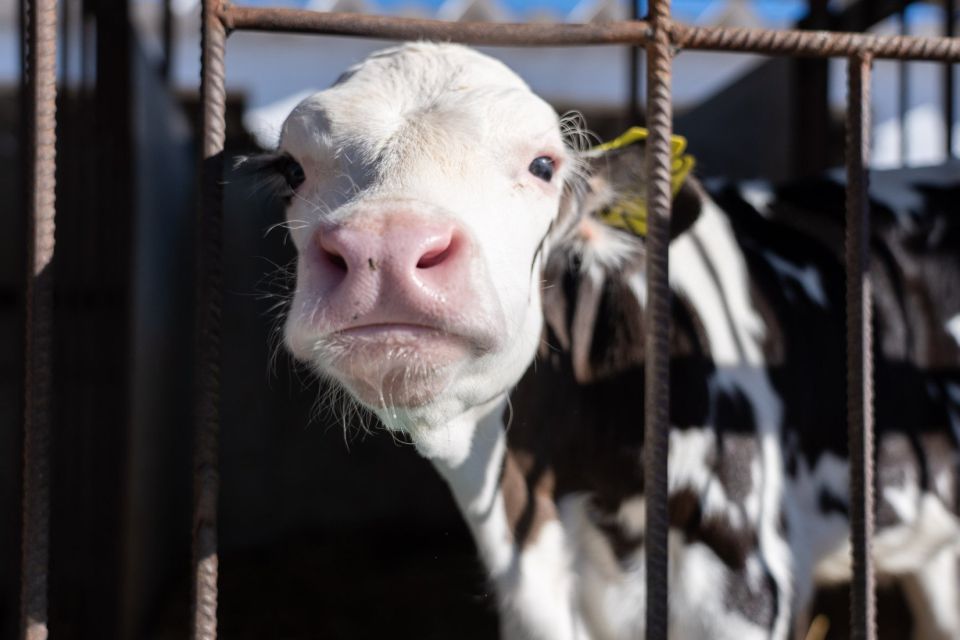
x,y
450,234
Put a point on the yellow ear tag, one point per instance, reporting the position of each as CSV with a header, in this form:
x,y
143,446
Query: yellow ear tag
x,y
630,213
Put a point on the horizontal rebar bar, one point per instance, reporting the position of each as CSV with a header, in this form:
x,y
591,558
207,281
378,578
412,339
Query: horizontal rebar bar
x,y
820,44
369,26
636,32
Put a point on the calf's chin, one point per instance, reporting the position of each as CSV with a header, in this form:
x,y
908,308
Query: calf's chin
x,y
419,385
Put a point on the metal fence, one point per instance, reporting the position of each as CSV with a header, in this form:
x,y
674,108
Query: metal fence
x,y
662,39
39,31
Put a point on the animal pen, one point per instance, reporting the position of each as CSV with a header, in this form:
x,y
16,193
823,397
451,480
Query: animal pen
x,y
662,38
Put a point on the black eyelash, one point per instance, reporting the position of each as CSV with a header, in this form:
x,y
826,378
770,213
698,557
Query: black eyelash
x,y
267,171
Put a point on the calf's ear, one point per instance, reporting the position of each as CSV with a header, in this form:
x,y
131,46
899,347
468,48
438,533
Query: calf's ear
x,y
595,279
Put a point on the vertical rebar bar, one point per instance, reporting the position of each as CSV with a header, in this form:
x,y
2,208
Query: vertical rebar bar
x,y
209,305
40,74
657,320
859,350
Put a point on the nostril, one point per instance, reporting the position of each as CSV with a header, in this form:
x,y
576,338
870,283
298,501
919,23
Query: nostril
x,y
437,255
433,258
329,251
335,259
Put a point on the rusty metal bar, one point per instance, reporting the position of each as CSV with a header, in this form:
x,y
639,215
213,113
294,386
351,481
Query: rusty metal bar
x,y
763,41
815,43
209,306
657,320
370,26
859,350
40,73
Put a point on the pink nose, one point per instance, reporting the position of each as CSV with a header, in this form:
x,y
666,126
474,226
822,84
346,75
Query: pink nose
x,y
398,264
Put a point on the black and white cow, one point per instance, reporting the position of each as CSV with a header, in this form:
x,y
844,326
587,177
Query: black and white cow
x,y
448,237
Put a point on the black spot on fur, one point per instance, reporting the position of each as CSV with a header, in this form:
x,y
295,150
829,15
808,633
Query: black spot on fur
x,y
757,604
731,545
831,503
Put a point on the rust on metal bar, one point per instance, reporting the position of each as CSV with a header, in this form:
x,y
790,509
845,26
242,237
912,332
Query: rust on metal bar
x,y
657,320
209,306
762,41
859,350
815,43
40,74
478,33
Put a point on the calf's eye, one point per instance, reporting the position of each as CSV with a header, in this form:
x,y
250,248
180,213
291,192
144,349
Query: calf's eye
x,y
293,173
542,168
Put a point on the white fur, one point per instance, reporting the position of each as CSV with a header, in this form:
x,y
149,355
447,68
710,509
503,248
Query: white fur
x,y
535,588
921,551
953,327
736,349
696,611
758,194
905,548
815,535
933,592
539,592
690,276
469,456
690,453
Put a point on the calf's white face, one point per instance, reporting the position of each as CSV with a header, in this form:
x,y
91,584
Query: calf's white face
x,y
431,178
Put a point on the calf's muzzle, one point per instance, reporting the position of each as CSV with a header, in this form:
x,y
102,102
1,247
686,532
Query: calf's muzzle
x,y
391,267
